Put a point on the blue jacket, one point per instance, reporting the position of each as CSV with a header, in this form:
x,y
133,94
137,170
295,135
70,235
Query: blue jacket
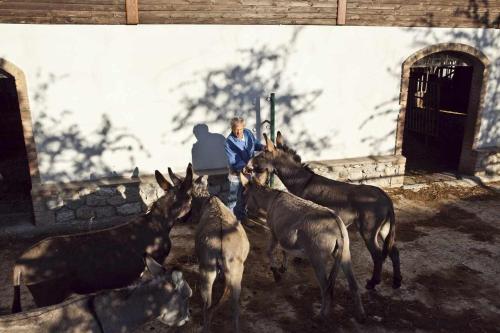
x,y
239,152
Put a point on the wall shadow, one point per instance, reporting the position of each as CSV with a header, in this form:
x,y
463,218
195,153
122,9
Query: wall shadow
x,y
236,90
208,150
66,153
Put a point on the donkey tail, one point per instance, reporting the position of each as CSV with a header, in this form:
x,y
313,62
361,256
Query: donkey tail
x,y
16,282
337,254
391,236
222,299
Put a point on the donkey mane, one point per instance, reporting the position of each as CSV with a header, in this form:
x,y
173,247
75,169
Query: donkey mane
x,y
296,157
292,152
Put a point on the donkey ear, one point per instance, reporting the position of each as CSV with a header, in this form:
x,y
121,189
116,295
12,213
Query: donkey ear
x,y
188,181
269,143
244,180
164,184
175,179
177,279
279,140
153,266
202,180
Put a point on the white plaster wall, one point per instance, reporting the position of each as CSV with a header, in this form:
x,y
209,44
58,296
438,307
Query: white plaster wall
x,y
344,83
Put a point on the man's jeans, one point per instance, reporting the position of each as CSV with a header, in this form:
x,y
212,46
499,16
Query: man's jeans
x,y
235,198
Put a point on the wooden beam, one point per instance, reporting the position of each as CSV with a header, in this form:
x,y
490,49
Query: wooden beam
x,y
132,11
341,11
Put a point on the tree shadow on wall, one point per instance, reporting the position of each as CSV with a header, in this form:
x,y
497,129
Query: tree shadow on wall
x,y
229,92
478,12
66,153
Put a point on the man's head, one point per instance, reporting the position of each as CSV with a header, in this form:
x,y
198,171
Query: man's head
x,y
237,126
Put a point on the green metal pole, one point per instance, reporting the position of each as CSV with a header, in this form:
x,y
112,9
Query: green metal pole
x,y
272,100
273,129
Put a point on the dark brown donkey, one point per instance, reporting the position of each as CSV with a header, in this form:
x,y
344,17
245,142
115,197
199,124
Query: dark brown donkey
x,y
221,245
304,228
111,258
369,207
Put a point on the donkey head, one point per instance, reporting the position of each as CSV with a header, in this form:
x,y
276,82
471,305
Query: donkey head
x,y
199,192
254,194
272,158
200,184
172,291
176,203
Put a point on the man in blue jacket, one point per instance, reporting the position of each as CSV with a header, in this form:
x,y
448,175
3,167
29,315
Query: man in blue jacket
x,y
240,147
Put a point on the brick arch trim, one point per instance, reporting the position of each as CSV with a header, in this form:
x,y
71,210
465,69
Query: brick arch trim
x,y
481,66
24,108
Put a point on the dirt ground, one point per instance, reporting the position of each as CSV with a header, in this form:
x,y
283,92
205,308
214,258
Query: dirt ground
x,y
450,259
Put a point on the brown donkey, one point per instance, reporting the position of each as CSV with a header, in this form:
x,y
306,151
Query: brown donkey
x,y
164,296
304,228
221,245
111,258
369,207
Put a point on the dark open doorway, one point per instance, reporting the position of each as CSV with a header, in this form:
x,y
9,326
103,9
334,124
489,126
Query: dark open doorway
x,y
15,182
436,114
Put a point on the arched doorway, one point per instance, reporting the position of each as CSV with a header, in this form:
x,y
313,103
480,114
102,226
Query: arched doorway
x,y
18,162
441,101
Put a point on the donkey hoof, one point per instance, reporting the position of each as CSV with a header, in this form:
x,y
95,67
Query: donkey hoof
x,y
370,284
360,317
396,283
276,274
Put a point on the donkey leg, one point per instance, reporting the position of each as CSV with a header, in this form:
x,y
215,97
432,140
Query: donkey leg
x,y
353,285
376,254
368,232
319,265
396,269
284,264
235,277
394,255
208,275
49,292
273,242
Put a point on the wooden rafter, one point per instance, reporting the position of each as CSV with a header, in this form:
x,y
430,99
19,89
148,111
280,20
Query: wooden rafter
x,y
341,11
132,8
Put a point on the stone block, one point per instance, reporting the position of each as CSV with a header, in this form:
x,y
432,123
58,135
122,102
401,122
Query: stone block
x,y
54,203
65,215
106,191
355,174
390,171
75,204
96,200
132,197
397,181
106,211
129,208
116,200
343,174
214,189
85,213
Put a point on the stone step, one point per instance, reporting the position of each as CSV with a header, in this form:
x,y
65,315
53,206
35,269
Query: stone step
x,y
15,219
15,206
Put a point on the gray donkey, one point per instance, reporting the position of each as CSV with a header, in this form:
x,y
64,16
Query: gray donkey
x,y
369,207
165,297
221,245
84,263
304,228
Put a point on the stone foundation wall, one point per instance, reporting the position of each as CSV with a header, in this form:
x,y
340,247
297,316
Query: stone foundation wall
x,y
86,201
115,197
382,171
488,164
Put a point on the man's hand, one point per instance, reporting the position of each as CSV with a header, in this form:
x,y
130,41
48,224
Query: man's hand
x,y
246,171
